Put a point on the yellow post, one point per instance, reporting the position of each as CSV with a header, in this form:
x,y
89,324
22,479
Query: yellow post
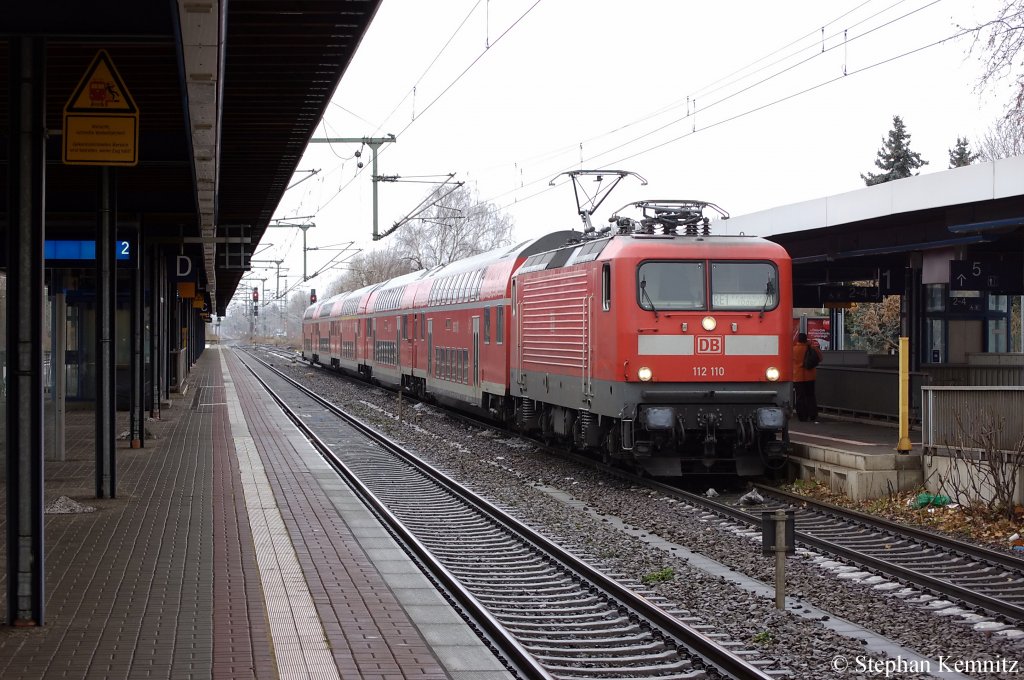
x,y
904,444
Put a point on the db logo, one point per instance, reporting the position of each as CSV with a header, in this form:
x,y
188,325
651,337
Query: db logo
x,y
709,344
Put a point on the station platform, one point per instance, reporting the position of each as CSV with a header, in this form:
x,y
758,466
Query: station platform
x,y
855,457
231,550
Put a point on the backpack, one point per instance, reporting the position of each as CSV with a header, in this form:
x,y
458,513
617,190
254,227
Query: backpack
x,y
811,358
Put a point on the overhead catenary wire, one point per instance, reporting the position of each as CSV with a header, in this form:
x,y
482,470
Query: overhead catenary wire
x,y
755,109
552,155
706,89
691,115
447,88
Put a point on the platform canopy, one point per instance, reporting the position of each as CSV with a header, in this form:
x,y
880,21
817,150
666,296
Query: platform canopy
x,y
228,94
972,215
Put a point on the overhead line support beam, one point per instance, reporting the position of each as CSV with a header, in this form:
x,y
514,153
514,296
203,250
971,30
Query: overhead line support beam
x,y
374,144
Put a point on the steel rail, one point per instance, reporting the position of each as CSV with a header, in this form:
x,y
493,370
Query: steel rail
x,y
525,663
942,586
971,550
946,588
725,660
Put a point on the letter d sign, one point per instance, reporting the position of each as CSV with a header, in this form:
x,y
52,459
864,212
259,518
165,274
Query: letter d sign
x,y
184,266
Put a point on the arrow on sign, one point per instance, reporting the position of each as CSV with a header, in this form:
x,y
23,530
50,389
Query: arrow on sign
x,y
961,279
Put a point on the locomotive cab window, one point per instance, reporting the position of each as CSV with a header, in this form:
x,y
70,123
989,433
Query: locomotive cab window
x,y
744,286
606,287
664,286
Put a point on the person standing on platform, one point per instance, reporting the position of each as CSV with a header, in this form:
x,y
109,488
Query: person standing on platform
x,y
806,356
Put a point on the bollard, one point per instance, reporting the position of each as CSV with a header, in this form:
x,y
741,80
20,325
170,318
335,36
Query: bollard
x,y
778,537
780,559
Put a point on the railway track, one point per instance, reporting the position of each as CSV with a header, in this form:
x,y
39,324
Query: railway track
x,y
960,573
954,572
550,613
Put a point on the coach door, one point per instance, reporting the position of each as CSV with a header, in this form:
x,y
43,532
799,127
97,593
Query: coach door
x,y
430,348
476,351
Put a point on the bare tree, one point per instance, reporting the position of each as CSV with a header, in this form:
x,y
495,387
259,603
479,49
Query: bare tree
x,y
1004,139
1001,41
984,465
457,225
371,267
293,311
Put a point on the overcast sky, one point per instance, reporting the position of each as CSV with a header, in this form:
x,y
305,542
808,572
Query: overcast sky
x,y
738,102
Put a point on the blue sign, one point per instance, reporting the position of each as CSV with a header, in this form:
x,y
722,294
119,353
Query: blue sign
x,y
81,250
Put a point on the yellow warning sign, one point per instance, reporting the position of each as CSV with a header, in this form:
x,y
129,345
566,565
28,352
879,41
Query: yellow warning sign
x,y
101,121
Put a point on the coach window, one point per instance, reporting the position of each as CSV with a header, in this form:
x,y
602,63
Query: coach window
x,y
487,325
500,325
405,327
744,285
478,279
606,287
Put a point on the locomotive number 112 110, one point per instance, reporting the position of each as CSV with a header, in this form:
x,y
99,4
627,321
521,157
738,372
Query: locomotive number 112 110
x,y
706,371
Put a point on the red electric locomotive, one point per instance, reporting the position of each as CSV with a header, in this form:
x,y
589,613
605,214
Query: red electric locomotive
x,y
652,342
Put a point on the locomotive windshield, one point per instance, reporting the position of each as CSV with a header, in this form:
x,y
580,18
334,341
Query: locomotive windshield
x,y
744,285
663,286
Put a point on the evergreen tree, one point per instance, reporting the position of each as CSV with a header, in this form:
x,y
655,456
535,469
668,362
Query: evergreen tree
x,y
895,157
960,155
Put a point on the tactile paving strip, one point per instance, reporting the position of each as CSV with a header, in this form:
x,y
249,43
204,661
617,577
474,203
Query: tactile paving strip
x,y
300,647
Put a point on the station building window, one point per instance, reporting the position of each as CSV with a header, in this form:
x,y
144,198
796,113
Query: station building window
x,y
935,297
936,341
998,338
998,303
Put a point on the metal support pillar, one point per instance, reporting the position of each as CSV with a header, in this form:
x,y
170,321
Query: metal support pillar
x,y
60,350
138,394
155,297
165,329
174,335
106,294
26,144
913,316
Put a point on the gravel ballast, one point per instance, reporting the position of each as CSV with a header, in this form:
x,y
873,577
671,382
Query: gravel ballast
x,y
606,521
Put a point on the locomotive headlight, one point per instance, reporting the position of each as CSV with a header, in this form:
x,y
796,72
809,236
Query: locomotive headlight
x,y
709,323
644,373
772,374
